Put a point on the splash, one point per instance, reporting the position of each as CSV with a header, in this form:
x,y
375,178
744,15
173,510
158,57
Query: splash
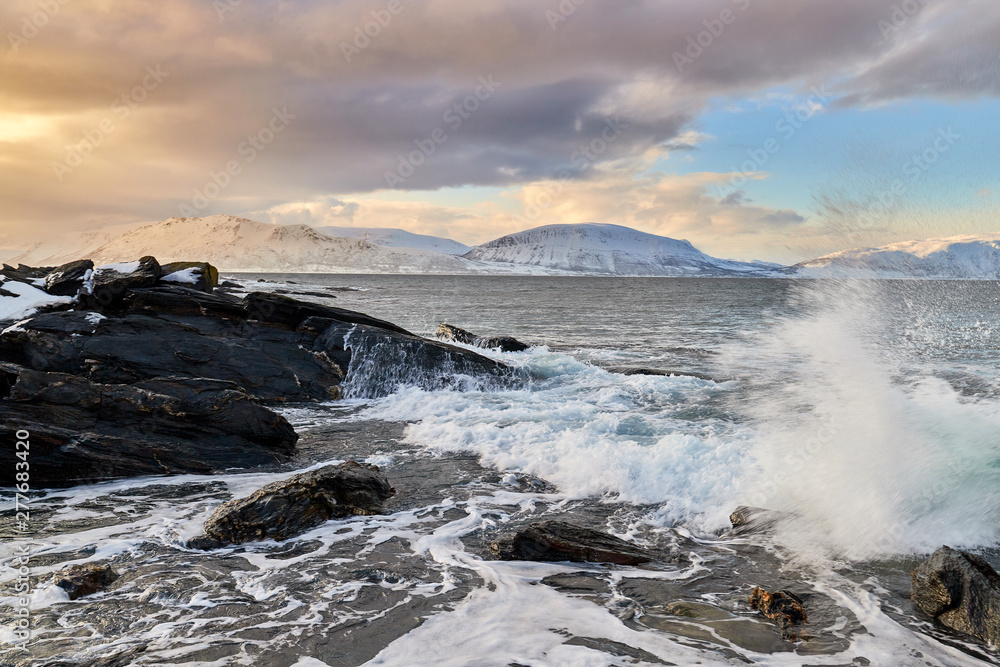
x,y
860,441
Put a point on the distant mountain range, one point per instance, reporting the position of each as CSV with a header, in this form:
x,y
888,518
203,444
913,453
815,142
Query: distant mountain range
x,y
237,244
609,250
956,257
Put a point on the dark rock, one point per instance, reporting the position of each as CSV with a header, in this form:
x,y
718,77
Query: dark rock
x,y
961,591
7,293
82,431
290,507
25,274
747,520
207,275
783,606
229,284
183,299
67,279
504,343
280,309
379,361
86,579
110,286
267,362
561,541
629,370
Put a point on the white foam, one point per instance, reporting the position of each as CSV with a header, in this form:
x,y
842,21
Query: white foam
x,y
875,457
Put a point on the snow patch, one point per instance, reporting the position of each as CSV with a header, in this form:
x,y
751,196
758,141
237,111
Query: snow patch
x,y
28,300
186,276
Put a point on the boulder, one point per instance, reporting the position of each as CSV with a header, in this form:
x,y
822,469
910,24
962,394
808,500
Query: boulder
x,y
25,274
379,361
561,541
504,343
85,579
783,606
747,520
960,590
111,283
292,506
291,313
82,431
200,276
67,279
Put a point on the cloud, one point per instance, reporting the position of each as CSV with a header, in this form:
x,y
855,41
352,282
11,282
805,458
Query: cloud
x,y
356,118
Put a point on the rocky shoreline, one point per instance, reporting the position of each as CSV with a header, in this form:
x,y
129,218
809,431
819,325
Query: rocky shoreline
x,y
146,375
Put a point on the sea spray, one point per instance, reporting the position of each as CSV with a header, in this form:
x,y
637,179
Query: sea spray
x,y
872,454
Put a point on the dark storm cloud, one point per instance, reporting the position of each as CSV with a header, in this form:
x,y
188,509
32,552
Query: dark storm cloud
x,y
359,103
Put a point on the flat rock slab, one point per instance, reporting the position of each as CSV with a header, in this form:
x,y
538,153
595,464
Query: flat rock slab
x,y
292,506
561,541
960,590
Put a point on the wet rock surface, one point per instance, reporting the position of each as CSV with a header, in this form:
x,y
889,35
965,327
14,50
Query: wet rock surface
x,y
961,591
504,343
83,431
562,541
145,376
291,507
85,579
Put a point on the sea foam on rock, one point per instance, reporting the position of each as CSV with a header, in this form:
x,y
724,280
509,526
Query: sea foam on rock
x,y
292,506
504,343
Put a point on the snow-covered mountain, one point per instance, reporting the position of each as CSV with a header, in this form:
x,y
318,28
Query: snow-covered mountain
x,y
610,250
238,244
398,238
973,257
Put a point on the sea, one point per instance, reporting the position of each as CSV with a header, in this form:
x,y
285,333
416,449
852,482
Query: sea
x,y
866,413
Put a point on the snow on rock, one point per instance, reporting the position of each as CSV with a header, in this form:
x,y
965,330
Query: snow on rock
x,y
28,299
971,257
610,250
184,276
398,238
118,267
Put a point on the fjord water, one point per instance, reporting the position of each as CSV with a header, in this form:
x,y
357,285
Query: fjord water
x,y
869,411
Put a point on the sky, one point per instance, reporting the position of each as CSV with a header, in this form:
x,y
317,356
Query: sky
x,y
778,130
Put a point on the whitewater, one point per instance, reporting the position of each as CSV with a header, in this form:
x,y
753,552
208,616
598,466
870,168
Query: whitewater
x,y
866,411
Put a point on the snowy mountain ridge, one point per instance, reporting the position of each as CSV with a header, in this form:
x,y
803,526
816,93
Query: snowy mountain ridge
x,y
606,249
388,237
967,257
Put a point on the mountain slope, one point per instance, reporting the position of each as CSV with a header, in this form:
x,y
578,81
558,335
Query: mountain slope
x,y
972,257
609,250
238,244
398,238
